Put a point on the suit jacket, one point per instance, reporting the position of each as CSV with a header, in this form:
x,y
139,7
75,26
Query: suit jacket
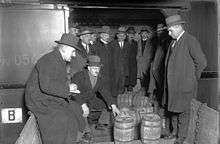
x,y
78,63
47,94
83,52
183,69
95,96
144,58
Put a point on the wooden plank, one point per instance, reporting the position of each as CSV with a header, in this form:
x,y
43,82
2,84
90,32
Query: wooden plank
x,y
30,133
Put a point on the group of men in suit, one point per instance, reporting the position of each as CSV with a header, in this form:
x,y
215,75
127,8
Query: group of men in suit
x,y
79,76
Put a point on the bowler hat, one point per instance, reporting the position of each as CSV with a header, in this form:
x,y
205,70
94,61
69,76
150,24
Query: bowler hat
x,y
94,60
84,32
68,39
131,30
174,20
105,29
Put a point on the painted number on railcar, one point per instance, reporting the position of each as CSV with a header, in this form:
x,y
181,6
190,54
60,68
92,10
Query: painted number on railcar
x,y
11,115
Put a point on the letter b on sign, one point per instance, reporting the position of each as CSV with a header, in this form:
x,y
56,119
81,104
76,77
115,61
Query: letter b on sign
x,y
11,115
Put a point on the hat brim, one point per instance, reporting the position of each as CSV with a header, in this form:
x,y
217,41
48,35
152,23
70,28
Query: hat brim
x,y
175,23
94,64
80,34
74,46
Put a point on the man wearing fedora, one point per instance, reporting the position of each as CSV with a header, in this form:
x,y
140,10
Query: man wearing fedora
x,y
184,64
144,56
120,62
104,50
48,93
157,68
84,42
94,87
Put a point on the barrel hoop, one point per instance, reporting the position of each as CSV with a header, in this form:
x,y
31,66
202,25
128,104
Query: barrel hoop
x,y
150,139
124,128
151,126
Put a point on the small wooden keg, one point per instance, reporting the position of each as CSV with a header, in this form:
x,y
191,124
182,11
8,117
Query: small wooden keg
x,y
123,129
150,128
136,117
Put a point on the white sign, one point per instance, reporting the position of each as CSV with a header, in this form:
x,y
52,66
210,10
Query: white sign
x,y
11,115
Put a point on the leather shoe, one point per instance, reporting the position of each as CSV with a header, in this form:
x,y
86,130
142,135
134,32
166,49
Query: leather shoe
x,y
170,136
101,127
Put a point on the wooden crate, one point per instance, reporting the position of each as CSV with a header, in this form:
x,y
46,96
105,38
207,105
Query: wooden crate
x,y
30,133
204,124
161,141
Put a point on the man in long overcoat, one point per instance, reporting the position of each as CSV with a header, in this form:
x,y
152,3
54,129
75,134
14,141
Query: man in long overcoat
x,y
184,63
120,62
104,50
132,68
47,95
145,55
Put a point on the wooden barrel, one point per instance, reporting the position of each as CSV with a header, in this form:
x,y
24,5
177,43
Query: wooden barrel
x,y
136,117
150,128
123,129
125,100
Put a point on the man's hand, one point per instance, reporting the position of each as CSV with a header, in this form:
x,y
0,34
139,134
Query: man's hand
x,y
73,88
115,110
85,109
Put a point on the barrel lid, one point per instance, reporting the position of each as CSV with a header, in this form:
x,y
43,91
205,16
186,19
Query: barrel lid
x,y
151,117
124,119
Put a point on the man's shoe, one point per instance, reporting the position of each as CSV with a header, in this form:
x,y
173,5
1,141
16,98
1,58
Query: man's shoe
x,y
178,141
170,136
101,127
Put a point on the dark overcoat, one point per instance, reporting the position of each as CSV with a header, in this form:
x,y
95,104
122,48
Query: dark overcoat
x,y
183,69
132,63
95,96
144,57
83,52
120,66
47,96
105,52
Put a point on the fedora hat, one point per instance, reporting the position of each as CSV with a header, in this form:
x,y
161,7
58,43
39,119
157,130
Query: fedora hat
x,y
161,27
105,29
94,60
174,20
84,32
68,39
146,29
131,30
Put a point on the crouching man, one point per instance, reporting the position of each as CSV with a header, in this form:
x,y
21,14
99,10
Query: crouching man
x,y
95,89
